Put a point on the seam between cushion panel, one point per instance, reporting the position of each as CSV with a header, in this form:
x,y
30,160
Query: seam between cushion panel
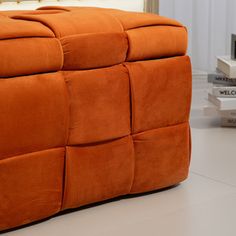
x,y
157,25
61,8
93,144
155,129
29,18
116,18
17,154
62,56
131,125
67,109
67,112
63,187
132,100
68,106
129,46
134,164
128,49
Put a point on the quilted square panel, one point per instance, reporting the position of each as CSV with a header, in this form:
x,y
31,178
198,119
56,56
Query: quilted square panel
x,y
98,172
34,55
34,114
99,104
162,157
160,91
163,41
30,187
80,51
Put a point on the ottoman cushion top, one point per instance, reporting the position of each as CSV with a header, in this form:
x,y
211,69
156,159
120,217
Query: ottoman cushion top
x,y
85,38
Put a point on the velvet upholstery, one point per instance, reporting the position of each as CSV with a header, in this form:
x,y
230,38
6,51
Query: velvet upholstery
x,y
94,104
34,55
165,149
172,79
98,172
30,187
92,54
11,28
173,39
34,114
105,91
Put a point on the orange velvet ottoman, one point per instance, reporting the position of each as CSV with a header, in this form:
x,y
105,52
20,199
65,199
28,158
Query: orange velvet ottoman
x,y
94,104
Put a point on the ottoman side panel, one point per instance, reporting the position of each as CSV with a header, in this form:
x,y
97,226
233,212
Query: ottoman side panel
x,y
106,125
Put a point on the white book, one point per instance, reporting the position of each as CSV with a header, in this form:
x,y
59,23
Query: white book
x,y
228,122
223,103
227,66
212,110
220,79
224,92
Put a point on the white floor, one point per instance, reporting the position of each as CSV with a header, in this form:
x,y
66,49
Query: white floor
x,y
204,205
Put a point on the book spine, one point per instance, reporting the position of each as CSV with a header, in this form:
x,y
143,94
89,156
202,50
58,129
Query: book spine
x,y
228,122
210,111
221,79
214,100
224,67
228,114
224,92
227,66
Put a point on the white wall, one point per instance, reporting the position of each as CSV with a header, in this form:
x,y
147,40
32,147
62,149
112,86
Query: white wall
x,y
130,5
210,24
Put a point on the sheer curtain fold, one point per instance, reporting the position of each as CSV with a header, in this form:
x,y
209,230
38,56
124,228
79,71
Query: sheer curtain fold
x,y
210,24
151,6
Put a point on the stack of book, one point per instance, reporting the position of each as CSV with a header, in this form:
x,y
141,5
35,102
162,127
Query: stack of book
x,y
222,97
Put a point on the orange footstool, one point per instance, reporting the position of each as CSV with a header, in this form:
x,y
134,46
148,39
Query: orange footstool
x,y
94,104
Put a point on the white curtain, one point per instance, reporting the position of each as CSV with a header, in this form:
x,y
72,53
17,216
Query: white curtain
x,y
130,5
210,24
